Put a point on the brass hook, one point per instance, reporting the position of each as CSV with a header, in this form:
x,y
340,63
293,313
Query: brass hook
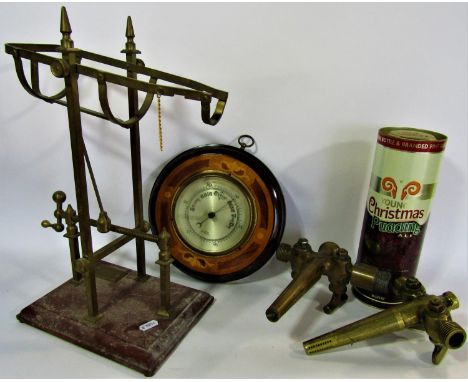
x,y
104,101
205,110
34,89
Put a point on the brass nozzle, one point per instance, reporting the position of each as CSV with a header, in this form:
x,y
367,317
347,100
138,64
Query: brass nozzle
x,y
429,313
294,291
452,335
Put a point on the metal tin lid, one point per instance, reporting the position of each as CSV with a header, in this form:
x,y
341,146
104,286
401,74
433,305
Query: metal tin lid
x,y
412,140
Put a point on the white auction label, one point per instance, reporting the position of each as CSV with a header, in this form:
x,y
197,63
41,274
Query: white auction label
x,y
148,325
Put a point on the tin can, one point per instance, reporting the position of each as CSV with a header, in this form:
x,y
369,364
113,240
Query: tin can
x,y
403,182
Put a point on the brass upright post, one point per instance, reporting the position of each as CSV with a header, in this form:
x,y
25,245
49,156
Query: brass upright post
x,y
69,54
164,263
72,235
131,52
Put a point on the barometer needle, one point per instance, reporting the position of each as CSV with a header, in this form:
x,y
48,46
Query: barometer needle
x,y
211,215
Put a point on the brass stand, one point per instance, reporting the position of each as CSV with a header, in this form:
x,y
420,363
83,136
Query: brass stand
x,y
88,269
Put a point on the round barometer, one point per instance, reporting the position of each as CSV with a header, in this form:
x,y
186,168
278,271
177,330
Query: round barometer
x,y
223,208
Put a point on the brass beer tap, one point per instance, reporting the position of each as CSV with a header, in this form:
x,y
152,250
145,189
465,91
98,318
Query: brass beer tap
x,y
307,268
429,313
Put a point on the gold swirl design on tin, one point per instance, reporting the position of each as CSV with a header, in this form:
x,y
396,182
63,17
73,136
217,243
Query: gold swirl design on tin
x,y
426,190
389,185
412,188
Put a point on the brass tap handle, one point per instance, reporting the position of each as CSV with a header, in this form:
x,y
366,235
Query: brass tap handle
x,y
59,198
442,331
408,288
338,271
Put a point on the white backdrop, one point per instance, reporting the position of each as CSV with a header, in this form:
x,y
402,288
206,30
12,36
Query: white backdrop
x,y
312,83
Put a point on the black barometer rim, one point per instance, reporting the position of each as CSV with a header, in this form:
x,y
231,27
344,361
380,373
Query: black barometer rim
x,y
274,190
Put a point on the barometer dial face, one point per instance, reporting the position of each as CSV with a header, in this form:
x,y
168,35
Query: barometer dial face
x,y
223,208
213,213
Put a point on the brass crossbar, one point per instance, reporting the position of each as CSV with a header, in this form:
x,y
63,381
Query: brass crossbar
x,y
133,233
111,247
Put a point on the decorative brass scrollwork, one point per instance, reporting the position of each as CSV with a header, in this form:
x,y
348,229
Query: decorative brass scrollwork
x,y
60,68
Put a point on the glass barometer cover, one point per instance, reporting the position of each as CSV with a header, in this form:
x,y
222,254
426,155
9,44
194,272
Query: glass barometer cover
x,y
223,208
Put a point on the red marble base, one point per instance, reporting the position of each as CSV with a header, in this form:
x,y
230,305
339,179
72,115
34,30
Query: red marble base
x,y
125,303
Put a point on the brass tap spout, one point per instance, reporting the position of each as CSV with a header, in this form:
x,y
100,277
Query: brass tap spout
x,y
294,291
307,268
429,313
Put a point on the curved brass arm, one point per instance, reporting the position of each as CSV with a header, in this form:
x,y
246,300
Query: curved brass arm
x,y
195,91
33,90
104,101
205,110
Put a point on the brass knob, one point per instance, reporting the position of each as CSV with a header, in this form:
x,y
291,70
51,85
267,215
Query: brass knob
x,y
58,197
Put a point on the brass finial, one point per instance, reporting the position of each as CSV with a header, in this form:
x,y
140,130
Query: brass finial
x,y
129,33
65,29
130,46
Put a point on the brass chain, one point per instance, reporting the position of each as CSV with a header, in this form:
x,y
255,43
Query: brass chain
x,y
160,122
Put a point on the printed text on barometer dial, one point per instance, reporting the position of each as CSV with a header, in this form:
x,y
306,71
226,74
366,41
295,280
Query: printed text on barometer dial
x,y
213,214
